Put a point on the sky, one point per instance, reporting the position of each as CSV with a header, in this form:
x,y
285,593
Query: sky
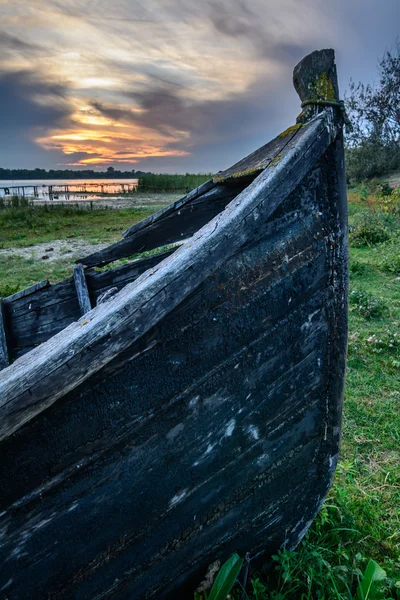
x,y
168,85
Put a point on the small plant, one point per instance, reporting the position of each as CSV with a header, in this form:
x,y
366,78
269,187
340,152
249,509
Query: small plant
x,y
387,341
364,193
8,290
369,230
224,581
390,260
366,305
370,586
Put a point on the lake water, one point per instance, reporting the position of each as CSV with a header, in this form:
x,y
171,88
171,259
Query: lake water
x,y
55,190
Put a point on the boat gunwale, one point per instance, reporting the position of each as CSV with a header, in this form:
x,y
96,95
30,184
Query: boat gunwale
x,y
119,323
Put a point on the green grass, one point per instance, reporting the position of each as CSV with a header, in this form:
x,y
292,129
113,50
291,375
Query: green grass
x,y
28,225
17,273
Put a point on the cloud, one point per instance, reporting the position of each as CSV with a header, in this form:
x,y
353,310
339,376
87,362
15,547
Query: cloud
x,y
28,102
28,106
10,42
171,83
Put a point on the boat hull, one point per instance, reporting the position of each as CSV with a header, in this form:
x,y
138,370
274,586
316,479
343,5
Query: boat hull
x,y
217,431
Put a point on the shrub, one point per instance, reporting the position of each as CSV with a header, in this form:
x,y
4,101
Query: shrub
x,y
357,268
384,189
391,258
369,230
388,198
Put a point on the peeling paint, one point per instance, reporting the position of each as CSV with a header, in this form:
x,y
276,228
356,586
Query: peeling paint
x,y
177,498
230,428
253,431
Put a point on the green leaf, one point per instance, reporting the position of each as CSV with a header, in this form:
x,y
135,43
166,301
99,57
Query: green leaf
x,y
226,578
368,588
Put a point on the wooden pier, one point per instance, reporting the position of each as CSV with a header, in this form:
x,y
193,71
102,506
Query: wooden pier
x,y
53,191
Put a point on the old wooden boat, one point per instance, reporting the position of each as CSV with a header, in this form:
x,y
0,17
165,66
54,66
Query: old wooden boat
x,y
197,411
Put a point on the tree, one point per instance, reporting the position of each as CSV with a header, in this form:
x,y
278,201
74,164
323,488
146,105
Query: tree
x,y
110,170
373,147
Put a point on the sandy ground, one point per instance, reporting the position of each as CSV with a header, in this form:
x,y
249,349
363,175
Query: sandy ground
x,y
56,250
72,249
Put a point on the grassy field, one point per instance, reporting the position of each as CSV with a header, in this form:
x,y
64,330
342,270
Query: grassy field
x,y
361,518
24,227
28,225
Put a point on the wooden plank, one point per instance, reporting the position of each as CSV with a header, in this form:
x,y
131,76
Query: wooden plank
x,y
45,297
166,210
260,159
4,358
174,226
27,291
49,372
33,319
82,290
121,276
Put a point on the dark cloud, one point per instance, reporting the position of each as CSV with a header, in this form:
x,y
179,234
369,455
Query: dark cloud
x,y
26,102
239,20
28,108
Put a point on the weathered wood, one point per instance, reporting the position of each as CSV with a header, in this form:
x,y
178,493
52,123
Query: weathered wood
x,y
315,80
221,419
257,161
201,405
121,276
171,208
27,291
172,226
28,386
4,358
82,291
35,317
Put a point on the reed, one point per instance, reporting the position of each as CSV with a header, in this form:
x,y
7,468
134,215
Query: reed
x,y
161,182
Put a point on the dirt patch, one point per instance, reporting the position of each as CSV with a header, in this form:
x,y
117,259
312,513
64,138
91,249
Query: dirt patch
x,y
55,250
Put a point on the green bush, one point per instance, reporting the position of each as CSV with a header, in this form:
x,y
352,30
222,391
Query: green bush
x,y
389,202
8,290
390,260
357,268
369,229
